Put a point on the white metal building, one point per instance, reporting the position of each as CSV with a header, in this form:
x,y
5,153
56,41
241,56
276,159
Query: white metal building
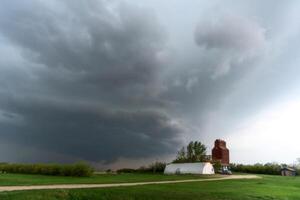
x,y
190,168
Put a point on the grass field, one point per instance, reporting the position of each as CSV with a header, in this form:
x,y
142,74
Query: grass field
x,y
267,188
23,179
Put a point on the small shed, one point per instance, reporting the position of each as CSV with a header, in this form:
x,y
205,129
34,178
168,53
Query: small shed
x,y
288,171
190,168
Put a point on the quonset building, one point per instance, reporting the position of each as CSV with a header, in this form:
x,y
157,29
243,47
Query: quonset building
x,y
190,168
221,153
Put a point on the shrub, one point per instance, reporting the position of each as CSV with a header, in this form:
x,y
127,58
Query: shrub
x,y
157,167
217,166
269,168
78,169
126,170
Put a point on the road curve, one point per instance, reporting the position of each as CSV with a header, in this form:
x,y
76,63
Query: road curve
x,y
80,186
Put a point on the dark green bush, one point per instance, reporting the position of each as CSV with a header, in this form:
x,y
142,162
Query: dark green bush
x,y
269,168
126,170
78,169
157,167
217,166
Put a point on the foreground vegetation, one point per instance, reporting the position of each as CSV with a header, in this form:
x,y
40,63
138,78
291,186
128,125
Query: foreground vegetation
x,y
78,169
24,179
267,188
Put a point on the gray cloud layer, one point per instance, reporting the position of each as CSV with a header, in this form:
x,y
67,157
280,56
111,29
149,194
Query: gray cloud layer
x,y
99,80
232,39
91,76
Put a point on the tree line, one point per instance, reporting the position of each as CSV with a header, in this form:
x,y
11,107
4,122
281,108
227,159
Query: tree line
x,y
268,168
78,169
156,167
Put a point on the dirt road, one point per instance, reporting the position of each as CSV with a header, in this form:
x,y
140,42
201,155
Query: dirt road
x,y
74,186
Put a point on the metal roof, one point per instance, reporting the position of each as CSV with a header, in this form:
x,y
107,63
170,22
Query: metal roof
x,y
288,168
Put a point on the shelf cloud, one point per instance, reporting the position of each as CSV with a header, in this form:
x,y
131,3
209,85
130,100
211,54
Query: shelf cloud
x,y
122,81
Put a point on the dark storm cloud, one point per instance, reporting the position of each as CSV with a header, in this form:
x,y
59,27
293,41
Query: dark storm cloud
x,y
88,133
87,43
86,80
103,80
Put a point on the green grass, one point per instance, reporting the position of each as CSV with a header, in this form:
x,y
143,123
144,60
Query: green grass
x,y
24,179
267,188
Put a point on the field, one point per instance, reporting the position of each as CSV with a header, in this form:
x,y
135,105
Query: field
x,y
24,179
266,188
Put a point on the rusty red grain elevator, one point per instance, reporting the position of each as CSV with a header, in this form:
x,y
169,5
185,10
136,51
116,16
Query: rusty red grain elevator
x,y
220,152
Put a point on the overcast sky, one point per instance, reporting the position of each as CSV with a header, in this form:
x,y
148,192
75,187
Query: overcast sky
x,y
123,83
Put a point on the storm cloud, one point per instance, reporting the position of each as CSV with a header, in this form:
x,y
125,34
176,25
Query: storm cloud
x,y
89,133
232,39
131,81
81,70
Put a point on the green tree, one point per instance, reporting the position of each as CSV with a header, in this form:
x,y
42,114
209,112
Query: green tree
x,y
190,151
181,155
195,151
199,151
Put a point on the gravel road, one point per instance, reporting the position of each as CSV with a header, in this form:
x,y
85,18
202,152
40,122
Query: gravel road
x,y
76,186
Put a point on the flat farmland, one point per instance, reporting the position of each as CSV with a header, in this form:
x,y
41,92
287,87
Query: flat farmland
x,y
264,188
25,179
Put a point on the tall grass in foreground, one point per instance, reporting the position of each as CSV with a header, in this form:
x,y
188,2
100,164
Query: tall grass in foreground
x,y
78,169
